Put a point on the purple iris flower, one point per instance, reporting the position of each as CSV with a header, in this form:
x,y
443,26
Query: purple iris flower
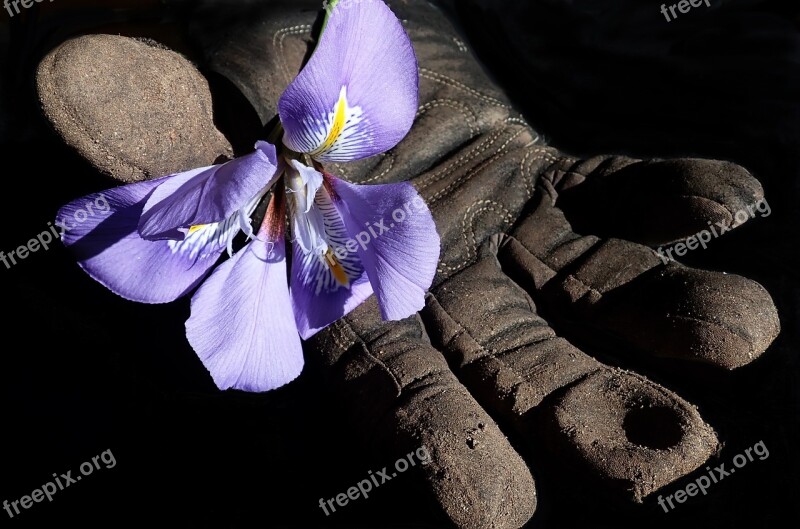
x,y
356,97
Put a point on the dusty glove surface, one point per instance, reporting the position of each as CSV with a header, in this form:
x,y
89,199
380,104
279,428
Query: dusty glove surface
x,y
100,95
483,173
503,203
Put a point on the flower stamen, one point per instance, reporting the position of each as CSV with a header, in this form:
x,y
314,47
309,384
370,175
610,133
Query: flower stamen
x,y
336,268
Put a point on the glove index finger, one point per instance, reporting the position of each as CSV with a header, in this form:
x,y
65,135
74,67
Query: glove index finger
x,y
402,396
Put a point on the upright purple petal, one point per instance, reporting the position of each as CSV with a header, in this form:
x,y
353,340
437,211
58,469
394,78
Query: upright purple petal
x,y
242,326
357,96
326,288
101,230
207,195
395,238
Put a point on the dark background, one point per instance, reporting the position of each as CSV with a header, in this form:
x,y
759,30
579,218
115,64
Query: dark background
x,y
82,371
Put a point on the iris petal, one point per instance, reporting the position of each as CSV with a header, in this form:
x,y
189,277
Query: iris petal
x,y
358,94
397,241
208,195
108,247
214,238
242,326
326,288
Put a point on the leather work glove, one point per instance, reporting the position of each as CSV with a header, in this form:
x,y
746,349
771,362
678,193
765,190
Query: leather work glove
x,y
512,270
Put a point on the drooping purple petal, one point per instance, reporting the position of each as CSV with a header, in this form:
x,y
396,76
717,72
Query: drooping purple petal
x,y
396,241
207,195
357,96
326,288
108,247
242,326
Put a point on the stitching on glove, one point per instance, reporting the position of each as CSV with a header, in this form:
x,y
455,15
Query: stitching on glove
x,y
461,46
526,166
468,222
461,160
339,170
449,81
520,121
551,175
392,159
475,171
506,216
278,39
466,111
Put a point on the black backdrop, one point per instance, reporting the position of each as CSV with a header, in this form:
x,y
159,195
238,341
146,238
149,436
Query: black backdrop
x,y
83,371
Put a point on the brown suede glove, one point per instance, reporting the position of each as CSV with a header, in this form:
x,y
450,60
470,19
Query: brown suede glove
x,y
503,203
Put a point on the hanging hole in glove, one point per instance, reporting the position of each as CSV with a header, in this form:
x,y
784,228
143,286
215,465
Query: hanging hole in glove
x,y
656,427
